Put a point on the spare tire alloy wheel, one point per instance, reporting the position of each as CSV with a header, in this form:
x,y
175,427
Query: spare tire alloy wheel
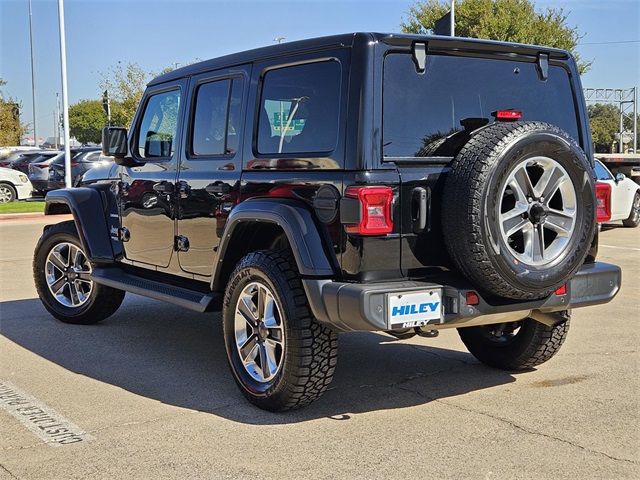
x,y
537,220
258,332
68,274
519,209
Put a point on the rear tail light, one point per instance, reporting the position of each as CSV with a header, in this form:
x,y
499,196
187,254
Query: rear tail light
x,y
561,290
507,115
375,210
603,202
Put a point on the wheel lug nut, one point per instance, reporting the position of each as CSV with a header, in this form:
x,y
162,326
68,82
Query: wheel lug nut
x,y
529,199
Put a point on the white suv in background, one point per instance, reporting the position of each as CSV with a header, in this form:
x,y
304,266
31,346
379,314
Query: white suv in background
x,y
625,196
14,185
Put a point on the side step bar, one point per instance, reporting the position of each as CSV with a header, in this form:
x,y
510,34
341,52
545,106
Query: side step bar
x,y
184,297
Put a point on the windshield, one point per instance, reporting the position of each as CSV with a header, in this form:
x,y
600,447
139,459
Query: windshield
x,y
422,113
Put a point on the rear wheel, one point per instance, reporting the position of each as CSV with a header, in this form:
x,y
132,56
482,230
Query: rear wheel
x,y
280,356
62,274
7,193
634,216
515,346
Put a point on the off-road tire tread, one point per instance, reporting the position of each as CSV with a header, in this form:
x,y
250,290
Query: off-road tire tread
x,y
542,343
107,301
470,171
315,353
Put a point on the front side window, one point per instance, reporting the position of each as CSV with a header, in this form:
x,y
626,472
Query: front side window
x,y
300,109
157,133
426,114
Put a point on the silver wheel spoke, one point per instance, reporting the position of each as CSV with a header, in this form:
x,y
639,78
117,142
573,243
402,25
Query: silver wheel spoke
x,y
538,241
549,183
57,285
259,332
248,348
559,223
522,182
68,275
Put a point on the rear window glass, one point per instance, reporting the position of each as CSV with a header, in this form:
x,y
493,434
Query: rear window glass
x,y
300,109
420,111
601,172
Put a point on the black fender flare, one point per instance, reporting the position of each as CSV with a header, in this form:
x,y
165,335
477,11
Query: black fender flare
x,y
89,213
299,226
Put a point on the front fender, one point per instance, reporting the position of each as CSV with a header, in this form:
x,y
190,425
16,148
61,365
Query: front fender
x,y
298,225
89,211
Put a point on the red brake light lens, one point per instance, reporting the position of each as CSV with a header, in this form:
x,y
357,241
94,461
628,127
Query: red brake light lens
x,y
472,298
561,290
375,210
603,202
507,115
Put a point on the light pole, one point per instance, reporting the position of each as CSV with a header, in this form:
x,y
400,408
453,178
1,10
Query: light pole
x,y
33,81
65,97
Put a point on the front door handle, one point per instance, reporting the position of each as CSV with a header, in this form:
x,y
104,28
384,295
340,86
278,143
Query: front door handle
x,y
217,188
163,187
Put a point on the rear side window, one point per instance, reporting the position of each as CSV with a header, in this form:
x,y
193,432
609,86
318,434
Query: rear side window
x,y
601,172
157,133
422,111
216,118
300,109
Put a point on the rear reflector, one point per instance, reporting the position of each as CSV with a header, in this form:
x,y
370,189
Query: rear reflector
x,y
375,210
561,290
507,115
472,298
603,201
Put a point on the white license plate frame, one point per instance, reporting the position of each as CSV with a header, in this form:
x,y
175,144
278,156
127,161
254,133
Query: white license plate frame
x,y
414,309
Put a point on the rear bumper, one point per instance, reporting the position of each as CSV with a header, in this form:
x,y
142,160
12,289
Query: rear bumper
x,y
358,307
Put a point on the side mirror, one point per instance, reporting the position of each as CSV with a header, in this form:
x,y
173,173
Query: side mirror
x,y
115,144
620,177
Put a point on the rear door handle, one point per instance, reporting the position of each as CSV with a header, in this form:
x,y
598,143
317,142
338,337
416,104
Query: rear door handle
x,y
163,187
217,188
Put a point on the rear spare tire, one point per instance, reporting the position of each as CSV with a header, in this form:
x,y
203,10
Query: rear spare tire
x,y
519,209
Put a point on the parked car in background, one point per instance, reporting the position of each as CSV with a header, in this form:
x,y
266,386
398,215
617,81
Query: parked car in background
x,y
625,196
17,155
39,171
14,185
82,160
23,162
10,150
105,172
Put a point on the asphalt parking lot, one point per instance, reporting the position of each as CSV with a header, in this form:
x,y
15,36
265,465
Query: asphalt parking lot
x,y
151,392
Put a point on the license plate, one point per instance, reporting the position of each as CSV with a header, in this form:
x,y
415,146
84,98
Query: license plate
x,y
414,309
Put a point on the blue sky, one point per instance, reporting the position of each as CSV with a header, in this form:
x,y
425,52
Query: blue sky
x,y
156,33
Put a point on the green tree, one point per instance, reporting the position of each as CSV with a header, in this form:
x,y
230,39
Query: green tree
x,y
605,122
86,120
11,129
505,20
126,83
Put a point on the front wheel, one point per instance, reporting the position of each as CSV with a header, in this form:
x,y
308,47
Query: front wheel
x,y
280,356
634,216
62,274
7,193
515,346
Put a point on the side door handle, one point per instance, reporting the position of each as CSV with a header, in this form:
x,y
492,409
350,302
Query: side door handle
x,y
163,187
217,188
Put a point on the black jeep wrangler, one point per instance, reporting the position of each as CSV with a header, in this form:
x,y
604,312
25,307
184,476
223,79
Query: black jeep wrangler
x,y
358,182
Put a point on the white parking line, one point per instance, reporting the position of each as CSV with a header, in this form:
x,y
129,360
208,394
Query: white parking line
x,y
620,248
42,420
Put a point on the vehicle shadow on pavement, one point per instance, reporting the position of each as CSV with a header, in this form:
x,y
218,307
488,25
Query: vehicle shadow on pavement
x,y
177,357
